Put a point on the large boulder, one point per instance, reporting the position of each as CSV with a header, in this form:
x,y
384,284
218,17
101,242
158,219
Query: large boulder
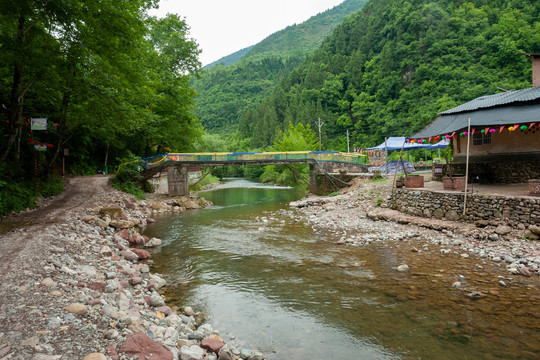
x,y
113,212
144,347
121,224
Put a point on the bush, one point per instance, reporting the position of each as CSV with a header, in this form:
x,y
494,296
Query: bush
x,y
128,178
54,185
209,179
18,194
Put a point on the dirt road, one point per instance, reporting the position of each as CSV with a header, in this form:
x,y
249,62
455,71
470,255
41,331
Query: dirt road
x,y
80,193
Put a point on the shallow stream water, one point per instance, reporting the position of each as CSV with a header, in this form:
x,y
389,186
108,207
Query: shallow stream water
x,y
278,286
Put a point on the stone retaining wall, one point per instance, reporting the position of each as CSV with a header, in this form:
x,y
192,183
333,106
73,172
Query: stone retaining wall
x,y
502,172
449,206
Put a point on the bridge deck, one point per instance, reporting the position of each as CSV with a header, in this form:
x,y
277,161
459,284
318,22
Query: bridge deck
x,y
264,158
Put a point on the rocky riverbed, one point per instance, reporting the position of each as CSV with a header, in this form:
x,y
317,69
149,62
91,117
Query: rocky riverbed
x,y
77,282
359,215
79,286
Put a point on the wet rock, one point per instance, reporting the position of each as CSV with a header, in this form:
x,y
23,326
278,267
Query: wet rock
x,y
525,272
144,347
188,310
141,254
403,268
136,239
153,242
474,295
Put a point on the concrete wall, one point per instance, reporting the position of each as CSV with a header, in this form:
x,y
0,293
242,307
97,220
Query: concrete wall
x,y
161,184
515,210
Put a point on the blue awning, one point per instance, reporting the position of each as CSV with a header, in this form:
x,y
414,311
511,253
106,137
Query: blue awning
x,y
396,143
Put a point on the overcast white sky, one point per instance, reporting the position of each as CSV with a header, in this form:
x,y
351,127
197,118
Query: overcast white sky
x,y
222,27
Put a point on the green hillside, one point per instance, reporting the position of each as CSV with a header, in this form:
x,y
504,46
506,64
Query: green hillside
x,y
389,69
230,59
226,92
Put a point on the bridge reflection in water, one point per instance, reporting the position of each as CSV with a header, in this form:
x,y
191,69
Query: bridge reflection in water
x,y
177,164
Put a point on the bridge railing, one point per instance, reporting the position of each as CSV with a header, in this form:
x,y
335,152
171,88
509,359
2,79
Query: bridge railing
x,y
320,156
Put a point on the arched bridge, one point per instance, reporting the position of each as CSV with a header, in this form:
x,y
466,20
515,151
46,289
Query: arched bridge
x,y
177,163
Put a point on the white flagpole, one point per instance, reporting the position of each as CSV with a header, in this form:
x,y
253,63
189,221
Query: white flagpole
x,y
467,167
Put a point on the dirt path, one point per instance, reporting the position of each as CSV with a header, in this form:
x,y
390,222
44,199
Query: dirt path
x,y
80,193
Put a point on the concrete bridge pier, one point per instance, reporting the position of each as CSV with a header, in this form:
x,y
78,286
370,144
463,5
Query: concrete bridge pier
x,y
314,187
177,177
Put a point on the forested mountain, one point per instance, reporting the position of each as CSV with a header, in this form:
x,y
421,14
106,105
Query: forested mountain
x,y
227,91
390,68
230,59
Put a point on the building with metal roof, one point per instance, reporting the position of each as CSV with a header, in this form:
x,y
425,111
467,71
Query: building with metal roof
x,y
504,135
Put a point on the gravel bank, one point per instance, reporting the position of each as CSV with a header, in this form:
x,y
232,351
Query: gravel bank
x,y
77,285
360,215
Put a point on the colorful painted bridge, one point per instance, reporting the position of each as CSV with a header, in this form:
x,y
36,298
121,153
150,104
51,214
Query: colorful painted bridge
x,y
177,163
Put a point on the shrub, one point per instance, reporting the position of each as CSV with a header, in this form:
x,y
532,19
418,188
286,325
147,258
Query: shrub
x,y
128,178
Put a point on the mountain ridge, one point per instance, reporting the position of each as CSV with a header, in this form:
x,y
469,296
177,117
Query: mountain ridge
x,y
225,90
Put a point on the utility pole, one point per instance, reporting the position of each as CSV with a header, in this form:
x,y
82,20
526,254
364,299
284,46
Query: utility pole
x,y
348,149
320,124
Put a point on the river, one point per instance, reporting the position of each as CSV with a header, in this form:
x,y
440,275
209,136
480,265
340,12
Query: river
x,y
274,284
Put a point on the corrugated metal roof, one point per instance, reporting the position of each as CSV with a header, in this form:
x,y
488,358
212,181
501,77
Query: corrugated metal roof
x,y
515,114
489,101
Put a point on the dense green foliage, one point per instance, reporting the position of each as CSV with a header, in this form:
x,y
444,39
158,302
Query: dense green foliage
x,y
226,92
17,194
128,178
390,68
295,138
108,77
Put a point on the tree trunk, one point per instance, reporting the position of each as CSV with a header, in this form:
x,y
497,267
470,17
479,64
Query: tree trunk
x,y
17,96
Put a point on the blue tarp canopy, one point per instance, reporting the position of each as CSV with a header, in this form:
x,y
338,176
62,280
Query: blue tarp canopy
x,y
440,145
395,143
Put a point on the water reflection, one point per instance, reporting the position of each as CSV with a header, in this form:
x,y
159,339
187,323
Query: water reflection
x,y
293,294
